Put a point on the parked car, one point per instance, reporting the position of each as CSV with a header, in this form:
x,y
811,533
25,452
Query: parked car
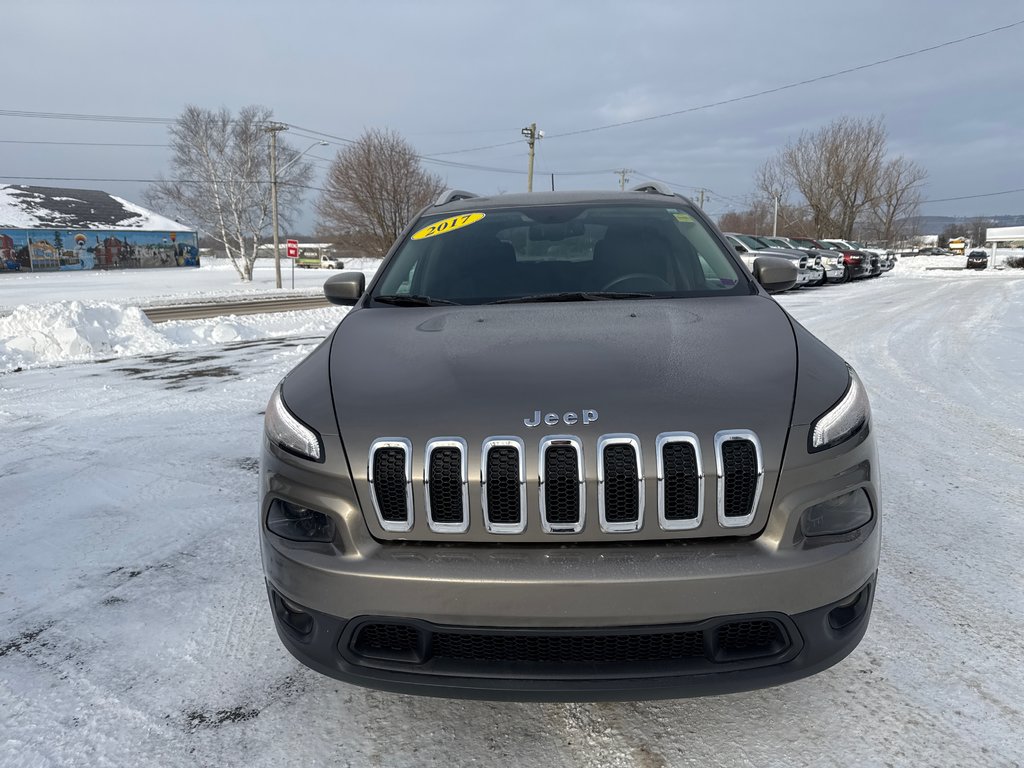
x,y
750,247
831,261
977,260
565,447
858,264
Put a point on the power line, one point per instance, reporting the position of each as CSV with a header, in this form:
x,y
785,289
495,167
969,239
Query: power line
x,y
87,117
80,143
765,92
972,197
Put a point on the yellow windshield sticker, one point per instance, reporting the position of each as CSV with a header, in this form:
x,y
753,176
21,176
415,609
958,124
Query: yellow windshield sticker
x,y
684,217
447,225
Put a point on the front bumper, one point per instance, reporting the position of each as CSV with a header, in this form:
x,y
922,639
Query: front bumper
x,y
616,664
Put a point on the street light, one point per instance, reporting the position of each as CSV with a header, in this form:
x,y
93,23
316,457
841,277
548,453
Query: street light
x,y
274,129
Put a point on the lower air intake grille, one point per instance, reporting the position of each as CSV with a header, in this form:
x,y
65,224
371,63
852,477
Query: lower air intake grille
x,y
682,485
389,483
554,653
568,649
387,638
621,489
561,485
445,485
739,461
503,486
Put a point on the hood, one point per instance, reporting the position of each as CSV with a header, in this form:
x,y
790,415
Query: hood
x,y
645,367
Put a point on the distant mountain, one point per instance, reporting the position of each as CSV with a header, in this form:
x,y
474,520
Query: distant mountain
x,y
933,225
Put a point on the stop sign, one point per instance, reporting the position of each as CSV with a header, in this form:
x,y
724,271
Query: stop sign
x,y
293,249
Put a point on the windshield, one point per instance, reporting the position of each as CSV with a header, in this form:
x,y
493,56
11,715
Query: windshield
x,y
582,251
752,242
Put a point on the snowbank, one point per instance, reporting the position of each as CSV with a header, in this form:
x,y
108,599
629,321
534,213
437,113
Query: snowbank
x,y
77,331
936,266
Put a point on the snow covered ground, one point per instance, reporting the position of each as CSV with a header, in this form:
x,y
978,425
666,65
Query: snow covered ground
x,y
135,629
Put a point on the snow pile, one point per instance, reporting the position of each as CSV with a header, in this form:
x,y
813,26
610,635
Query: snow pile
x,y
79,331
936,266
76,330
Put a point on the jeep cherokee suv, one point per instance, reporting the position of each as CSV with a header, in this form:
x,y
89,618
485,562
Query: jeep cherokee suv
x,y
565,446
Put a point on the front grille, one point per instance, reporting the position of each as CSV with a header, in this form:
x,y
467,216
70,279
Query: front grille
x,y
555,652
446,485
503,490
559,483
740,477
389,483
561,492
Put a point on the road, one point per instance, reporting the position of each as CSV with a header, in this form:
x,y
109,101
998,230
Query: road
x,y
135,628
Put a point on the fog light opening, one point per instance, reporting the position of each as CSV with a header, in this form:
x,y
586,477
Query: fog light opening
x,y
838,515
297,523
292,615
849,613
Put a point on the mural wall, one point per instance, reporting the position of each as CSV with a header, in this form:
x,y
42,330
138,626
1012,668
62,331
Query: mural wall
x,y
39,250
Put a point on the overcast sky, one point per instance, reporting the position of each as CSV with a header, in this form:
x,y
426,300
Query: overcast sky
x,y
456,75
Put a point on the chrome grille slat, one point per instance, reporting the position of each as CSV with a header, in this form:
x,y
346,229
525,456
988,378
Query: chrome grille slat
x,y
740,476
620,483
389,472
680,481
562,490
503,484
445,484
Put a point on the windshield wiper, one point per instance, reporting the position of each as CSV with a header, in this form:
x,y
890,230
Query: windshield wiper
x,y
574,296
412,300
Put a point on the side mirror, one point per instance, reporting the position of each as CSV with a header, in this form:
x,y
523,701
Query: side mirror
x,y
345,289
740,249
775,273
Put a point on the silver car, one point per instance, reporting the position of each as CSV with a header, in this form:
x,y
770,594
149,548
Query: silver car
x,y
565,446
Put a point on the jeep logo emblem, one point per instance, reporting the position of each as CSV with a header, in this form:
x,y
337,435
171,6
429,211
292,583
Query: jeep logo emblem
x,y
587,416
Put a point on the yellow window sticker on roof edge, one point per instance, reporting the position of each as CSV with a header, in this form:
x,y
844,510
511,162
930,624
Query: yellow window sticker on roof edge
x,y
447,225
684,217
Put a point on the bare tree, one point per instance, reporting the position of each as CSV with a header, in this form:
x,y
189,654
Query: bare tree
x,y
374,187
977,229
845,179
221,178
836,170
896,200
755,220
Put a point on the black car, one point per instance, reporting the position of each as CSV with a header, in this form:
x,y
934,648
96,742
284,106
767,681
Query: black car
x,y
977,260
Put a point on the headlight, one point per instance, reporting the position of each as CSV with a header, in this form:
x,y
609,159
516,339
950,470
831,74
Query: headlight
x,y
288,432
843,419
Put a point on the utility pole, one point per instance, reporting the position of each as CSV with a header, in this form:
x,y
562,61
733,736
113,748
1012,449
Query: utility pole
x,y
775,223
623,178
532,134
701,203
274,129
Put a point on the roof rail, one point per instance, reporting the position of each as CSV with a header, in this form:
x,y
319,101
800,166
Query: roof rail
x,y
654,187
451,195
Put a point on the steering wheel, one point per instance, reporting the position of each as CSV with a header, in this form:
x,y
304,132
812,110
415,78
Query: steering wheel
x,y
648,279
